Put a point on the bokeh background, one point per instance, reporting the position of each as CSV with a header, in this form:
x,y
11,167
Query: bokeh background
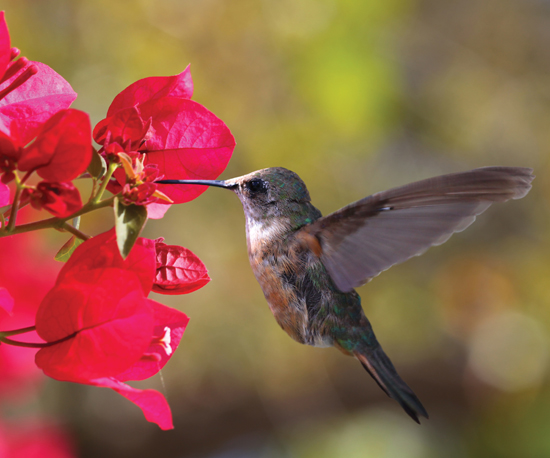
x,y
356,96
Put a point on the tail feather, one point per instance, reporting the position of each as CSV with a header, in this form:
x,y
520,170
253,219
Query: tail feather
x,y
381,369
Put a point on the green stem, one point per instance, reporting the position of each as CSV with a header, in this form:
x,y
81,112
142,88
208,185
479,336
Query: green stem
x,y
23,344
57,222
15,332
110,170
73,230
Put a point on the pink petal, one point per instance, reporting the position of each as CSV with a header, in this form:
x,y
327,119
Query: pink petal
x,y
101,252
4,195
60,199
26,108
5,46
168,321
153,88
6,301
181,123
99,324
188,142
151,402
157,211
179,270
63,149
124,125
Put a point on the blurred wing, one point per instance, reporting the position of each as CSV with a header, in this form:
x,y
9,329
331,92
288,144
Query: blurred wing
x,y
369,236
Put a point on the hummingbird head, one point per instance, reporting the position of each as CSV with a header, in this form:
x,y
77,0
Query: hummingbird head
x,y
273,192
269,192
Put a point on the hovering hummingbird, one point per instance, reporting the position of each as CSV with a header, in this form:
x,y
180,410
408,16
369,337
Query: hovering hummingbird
x,y
308,265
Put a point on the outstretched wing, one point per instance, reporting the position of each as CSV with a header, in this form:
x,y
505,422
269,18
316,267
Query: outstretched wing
x,y
369,236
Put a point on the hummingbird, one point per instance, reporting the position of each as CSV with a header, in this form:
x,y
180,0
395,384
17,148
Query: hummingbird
x,y
309,265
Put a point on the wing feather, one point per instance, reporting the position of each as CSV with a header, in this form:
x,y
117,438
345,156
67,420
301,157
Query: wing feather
x,y
369,236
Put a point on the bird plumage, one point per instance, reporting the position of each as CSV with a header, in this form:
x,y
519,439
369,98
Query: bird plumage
x,y
308,265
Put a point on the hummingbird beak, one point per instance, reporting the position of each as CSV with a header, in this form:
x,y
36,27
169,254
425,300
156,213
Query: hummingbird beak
x,y
216,183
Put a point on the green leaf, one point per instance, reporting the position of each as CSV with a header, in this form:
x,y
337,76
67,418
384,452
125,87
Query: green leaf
x,y
129,221
67,249
98,166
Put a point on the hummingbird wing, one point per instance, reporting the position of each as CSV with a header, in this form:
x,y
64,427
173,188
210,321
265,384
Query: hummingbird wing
x,y
361,240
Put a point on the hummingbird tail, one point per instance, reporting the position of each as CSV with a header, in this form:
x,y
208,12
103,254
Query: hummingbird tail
x,y
381,369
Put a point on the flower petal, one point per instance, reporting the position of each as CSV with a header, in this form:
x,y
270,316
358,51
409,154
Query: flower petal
x,y
98,322
60,199
156,210
63,149
101,252
179,270
152,403
168,329
187,142
153,88
26,108
124,125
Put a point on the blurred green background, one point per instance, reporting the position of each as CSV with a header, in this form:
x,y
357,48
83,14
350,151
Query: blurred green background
x,y
356,96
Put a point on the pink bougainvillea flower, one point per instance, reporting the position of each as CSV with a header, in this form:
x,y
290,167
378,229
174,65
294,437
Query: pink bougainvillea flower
x,y
151,88
102,328
179,270
169,325
25,106
183,138
60,199
139,187
6,301
102,331
62,150
142,194
126,128
99,323
30,94
101,252
153,404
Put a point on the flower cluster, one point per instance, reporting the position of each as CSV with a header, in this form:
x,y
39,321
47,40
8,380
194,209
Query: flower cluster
x,y
162,133
96,325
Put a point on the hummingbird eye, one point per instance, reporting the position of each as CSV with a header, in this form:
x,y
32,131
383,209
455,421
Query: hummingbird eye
x,y
256,185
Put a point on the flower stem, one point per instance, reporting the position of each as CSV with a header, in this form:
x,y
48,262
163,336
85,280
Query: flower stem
x,y
73,230
23,344
4,338
56,222
15,332
110,170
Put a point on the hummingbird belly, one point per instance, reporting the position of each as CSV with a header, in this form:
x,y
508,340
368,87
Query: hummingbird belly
x,y
286,273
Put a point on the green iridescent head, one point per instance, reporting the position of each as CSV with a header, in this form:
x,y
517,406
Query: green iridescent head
x,y
269,192
275,184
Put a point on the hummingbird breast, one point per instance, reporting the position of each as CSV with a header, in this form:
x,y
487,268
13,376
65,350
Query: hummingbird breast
x,y
292,279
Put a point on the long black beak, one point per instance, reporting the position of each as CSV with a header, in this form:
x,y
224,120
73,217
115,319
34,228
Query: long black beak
x,y
216,183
